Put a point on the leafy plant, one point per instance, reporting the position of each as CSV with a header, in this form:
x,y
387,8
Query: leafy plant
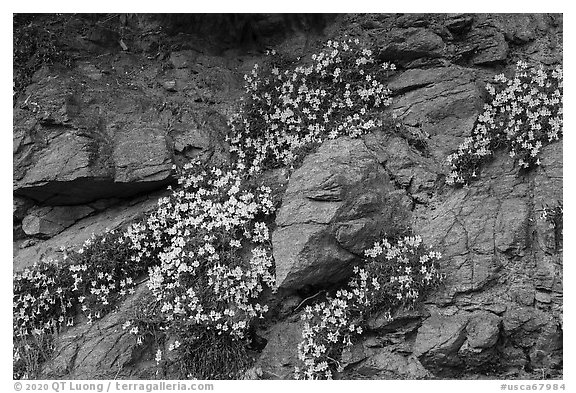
x,y
207,246
523,115
340,91
554,215
395,275
49,295
211,237
34,45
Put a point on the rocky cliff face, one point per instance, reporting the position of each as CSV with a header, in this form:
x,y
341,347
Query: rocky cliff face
x,y
95,146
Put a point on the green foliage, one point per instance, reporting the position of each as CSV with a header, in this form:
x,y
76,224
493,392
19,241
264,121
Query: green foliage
x,y
523,115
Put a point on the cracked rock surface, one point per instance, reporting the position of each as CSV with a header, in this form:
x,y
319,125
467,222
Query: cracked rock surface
x,y
336,205
94,146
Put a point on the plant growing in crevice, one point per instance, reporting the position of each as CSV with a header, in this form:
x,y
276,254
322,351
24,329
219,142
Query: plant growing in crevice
x,y
211,238
394,275
523,115
34,45
554,215
340,91
49,296
206,247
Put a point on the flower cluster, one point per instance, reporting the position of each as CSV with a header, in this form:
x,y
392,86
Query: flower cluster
x,y
394,275
206,248
523,115
103,273
90,281
339,91
42,300
212,242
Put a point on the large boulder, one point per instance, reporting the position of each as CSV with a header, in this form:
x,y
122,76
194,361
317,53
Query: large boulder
x,y
335,206
91,132
73,153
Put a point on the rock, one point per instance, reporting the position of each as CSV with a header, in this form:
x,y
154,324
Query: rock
x,y
413,20
183,59
486,232
548,187
482,330
253,374
459,23
513,357
409,44
103,204
511,226
482,333
335,206
200,134
523,294
523,29
469,227
280,355
90,70
539,35
102,350
547,353
77,155
354,354
523,325
404,321
78,233
440,102
416,174
438,341
543,297
49,221
28,243
288,305
142,155
384,363
20,207
484,45
66,172
79,138
103,36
